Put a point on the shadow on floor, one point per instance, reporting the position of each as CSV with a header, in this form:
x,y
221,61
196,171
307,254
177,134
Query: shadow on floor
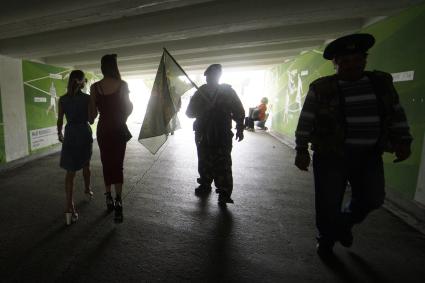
x,y
77,270
367,268
219,263
54,244
339,268
350,272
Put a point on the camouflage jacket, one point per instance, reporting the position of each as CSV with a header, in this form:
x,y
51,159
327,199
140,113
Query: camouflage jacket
x,y
214,113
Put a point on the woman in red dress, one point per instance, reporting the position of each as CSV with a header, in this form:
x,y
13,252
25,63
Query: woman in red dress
x,y
110,99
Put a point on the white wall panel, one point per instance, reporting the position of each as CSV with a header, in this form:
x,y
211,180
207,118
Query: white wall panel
x,y
13,106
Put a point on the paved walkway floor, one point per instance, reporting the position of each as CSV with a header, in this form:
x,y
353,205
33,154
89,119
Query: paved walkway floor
x,y
170,235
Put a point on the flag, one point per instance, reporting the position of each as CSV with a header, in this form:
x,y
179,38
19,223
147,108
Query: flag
x,y
171,82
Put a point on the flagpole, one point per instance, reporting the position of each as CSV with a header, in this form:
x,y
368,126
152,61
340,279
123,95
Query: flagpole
x,y
178,65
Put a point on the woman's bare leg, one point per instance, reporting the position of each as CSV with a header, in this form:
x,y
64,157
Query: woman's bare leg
x,y
118,204
87,175
108,189
118,190
69,191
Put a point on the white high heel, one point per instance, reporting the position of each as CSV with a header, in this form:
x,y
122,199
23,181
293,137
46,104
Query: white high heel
x,y
68,218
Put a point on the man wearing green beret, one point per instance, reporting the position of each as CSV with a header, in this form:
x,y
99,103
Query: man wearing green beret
x,y
350,119
214,106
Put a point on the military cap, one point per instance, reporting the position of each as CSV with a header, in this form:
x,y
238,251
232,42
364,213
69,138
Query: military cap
x,y
213,67
349,44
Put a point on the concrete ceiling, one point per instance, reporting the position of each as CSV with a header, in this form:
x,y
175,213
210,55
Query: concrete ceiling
x,y
197,32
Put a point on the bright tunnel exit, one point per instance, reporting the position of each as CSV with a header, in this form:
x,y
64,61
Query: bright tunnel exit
x,y
248,84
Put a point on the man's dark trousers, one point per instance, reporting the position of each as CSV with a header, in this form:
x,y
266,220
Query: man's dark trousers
x,y
215,164
365,173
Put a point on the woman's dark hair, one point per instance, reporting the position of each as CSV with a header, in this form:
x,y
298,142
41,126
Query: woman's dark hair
x,y
109,67
74,82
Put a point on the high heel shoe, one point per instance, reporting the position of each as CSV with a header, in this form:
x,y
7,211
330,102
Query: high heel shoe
x,y
109,202
68,218
74,217
89,194
118,211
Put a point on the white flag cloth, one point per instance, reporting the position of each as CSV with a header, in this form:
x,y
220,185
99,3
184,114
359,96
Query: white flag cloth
x,y
171,82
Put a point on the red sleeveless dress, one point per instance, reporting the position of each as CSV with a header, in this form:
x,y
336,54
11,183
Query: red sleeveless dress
x,y
112,118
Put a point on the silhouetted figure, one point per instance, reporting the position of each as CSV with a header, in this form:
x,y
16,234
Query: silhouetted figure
x,y
350,119
77,142
110,96
214,106
53,100
256,114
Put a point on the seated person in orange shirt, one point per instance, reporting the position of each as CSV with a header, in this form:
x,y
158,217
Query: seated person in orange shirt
x,y
256,114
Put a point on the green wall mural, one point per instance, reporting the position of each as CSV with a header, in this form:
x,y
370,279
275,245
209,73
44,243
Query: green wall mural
x,y
290,82
398,50
2,148
43,85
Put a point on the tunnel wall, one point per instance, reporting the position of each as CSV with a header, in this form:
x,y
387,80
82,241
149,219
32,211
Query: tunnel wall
x,y
2,146
29,93
14,140
399,51
43,85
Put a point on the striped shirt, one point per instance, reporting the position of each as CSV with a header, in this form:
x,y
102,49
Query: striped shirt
x,y
363,124
361,113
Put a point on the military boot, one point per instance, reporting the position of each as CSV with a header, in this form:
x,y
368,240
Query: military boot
x,y
224,198
203,189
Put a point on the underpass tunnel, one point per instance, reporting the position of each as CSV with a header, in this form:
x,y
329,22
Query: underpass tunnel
x,y
249,84
268,48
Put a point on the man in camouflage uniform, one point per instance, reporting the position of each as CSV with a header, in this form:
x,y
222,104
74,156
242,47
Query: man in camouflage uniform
x,y
214,106
350,119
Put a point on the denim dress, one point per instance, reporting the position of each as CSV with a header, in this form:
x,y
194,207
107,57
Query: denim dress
x,y
78,139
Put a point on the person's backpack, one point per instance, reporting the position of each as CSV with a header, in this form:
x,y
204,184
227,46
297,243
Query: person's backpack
x,y
255,114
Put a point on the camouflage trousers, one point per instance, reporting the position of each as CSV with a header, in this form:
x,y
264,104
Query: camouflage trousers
x,y
215,164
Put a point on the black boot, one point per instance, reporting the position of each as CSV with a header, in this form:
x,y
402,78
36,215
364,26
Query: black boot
x,y
345,237
109,202
223,197
324,248
203,189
